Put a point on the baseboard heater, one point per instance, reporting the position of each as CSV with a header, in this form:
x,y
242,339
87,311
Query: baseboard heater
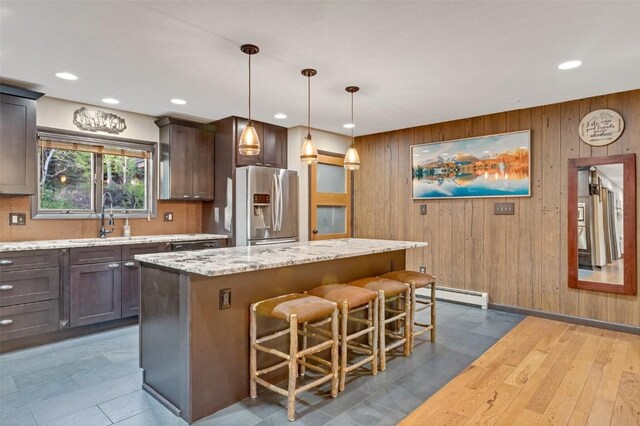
x,y
448,294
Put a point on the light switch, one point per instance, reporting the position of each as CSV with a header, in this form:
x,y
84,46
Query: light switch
x,y
168,217
423,209
503,209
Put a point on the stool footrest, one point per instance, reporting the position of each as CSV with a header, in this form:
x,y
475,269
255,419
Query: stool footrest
x,y
317,348
359,333
360,321
272,368
359,364
395,345
318,359
397,317
314,367
270,386
315,383
273,336
271,351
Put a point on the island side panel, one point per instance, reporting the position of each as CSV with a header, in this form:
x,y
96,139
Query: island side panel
x,y
219,352
164,336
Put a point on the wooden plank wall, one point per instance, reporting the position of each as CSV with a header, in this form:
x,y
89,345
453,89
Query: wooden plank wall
x,y
519,260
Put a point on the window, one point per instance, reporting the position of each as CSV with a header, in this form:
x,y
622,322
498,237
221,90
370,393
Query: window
x,y
77,172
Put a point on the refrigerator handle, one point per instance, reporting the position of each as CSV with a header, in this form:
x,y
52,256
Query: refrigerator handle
x,y
274,203
280,203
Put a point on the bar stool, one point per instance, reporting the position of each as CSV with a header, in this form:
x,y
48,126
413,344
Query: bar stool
x,y
295,309
350,300
390,291
418,280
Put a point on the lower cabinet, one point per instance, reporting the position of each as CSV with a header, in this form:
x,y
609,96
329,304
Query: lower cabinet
x,y
130,288
28,319
95,293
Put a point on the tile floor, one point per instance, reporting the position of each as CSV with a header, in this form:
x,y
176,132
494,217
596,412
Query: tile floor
x,y
95,381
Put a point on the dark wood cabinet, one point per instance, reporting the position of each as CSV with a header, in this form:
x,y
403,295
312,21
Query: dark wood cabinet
x,y
18,141
273,145
186,160
28,319
95,293
130,282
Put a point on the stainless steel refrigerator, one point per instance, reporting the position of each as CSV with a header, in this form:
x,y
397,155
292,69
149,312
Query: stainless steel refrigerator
x,y
266,206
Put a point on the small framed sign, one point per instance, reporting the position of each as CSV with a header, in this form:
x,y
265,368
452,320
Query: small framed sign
x,y
601,127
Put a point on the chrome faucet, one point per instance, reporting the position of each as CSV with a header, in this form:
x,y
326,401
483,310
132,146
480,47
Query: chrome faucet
x,y
104,232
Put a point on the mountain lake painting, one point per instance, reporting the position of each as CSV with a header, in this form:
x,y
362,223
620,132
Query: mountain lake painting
x,y
485,166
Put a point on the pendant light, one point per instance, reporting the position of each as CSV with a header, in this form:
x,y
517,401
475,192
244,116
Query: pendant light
x,y
249,143
309,153
351,158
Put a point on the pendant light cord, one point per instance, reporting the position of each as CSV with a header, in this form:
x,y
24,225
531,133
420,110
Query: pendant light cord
x,y
249,89
309,105
352,123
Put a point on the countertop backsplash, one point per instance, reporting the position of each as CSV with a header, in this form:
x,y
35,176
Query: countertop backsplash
x,y
187,219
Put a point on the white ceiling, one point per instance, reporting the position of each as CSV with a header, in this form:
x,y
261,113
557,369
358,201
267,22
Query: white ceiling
x,y
416,62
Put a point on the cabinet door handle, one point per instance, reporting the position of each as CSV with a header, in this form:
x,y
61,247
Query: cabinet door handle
x,y
258,164
5,287
267,164
5,262
196,196
113,265
129,264
186,196
210,245
6,322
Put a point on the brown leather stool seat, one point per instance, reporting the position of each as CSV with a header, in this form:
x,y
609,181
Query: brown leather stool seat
x,y
307,308
418,278
295,309
339,292
351,300
391,288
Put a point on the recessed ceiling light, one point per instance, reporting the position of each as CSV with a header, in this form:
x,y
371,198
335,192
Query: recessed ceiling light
x,y
178,101
349,126
569,65
66,76
110,101
280,116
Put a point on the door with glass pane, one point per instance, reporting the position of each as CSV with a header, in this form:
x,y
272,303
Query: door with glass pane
x,y
330,199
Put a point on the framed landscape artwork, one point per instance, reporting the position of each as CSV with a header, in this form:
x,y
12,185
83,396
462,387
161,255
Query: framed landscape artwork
x,y
484,166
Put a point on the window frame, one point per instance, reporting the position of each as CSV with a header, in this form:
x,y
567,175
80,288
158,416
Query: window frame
x,y
68,136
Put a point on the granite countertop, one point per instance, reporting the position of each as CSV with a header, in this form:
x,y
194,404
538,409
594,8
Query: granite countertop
x,y
233,260
109,241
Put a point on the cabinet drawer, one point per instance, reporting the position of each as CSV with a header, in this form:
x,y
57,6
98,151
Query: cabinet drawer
x,y
34,259
29,319
85,256
129,251
29,286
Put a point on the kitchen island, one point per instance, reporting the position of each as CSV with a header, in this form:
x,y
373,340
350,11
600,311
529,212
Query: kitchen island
x,y
194,321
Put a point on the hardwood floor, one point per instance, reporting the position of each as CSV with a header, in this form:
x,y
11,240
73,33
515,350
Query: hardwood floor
x,y
544,372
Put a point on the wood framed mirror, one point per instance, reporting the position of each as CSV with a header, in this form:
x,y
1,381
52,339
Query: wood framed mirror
x,y
602,224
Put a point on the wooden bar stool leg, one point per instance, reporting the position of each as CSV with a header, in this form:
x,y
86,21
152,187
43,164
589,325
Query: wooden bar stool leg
x,y
252,352
370,319
376,326
413,312
433,312
334,352
344,312
293,366
381,330
304,346
408,326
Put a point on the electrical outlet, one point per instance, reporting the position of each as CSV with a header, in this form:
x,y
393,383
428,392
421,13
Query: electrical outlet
x,y
423,269
17,219
168,217
423,209
503,209
225,298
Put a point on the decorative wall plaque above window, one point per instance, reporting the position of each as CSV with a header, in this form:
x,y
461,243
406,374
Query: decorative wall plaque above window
x,y
98,121
601,127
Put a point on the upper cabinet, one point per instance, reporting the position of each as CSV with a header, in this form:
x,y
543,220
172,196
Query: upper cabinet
x,y
186,160
18,141
273,144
